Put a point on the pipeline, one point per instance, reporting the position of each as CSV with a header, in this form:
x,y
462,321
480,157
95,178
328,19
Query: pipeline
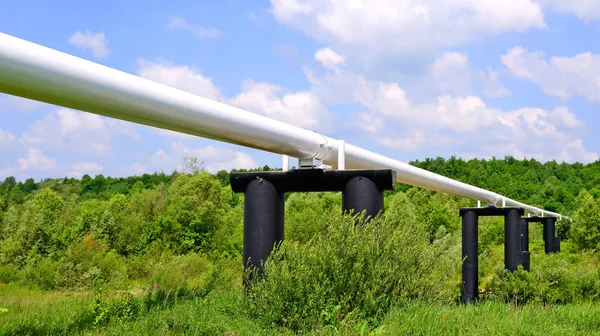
x,y
36,72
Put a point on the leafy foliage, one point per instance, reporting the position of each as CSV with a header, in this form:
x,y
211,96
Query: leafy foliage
x,y
350,271
166,241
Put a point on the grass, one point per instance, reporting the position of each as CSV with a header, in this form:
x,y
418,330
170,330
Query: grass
x,y
492,318
29,311
34,312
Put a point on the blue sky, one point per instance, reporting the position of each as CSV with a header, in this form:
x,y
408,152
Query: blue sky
x,y
408,79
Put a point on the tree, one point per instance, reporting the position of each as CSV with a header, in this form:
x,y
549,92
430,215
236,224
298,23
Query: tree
x,y
585,230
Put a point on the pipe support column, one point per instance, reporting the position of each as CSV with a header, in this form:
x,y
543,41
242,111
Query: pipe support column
x,y
512,240
263,222
470,267
361,194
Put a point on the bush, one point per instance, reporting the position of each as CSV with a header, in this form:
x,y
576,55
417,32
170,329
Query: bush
x,y
306,214
9,273
190,271
585,230
348,272
43,273
554,279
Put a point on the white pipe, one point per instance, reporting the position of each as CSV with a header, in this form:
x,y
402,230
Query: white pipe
x,y
32,71
286,163
478,203
341,155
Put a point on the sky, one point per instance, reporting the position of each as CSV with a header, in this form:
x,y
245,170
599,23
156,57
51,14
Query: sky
x,y
408,79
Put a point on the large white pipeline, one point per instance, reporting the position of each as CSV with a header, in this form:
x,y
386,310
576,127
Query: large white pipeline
x,y
33,71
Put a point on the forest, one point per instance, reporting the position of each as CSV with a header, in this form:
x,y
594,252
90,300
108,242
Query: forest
x,y
162,254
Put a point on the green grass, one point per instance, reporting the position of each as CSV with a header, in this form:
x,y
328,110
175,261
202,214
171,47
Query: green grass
x,y
35,312
493,318
27,311
217,314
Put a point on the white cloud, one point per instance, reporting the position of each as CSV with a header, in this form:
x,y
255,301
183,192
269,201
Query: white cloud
x,y
584,9
177,22
214,159
453,75
21,104
416,139
79,169
180,77
6,172
161,161
402,26
134,169
78,132
558,76
37,164
452,121
302,108
172,134
36,161
565,117
329,58
6,138
492,86
96,42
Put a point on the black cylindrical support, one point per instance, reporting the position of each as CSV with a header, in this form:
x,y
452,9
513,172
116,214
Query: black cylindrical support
x,y
263,222
524,235
512,240
549,234
470,266
361,194
556,244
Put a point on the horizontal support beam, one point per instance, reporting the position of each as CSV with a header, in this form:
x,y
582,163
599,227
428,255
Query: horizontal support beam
x,y
313,179
490,211
537,219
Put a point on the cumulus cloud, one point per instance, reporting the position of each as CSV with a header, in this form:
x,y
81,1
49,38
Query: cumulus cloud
x,y
396,27
18,103
329,58
177,22
453,75
96,42
38,164
584,9
79,169
66,130
180,77
36,161
559,76
6,138
301,108
452,120
213,159
136,168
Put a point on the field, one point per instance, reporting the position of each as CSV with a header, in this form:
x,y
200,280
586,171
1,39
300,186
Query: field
x,y
30,312
161,254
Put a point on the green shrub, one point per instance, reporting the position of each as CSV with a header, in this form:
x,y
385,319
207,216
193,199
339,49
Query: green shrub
x,y
190,271
306,214
349,271
554,279
9,273
43,273
585,230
